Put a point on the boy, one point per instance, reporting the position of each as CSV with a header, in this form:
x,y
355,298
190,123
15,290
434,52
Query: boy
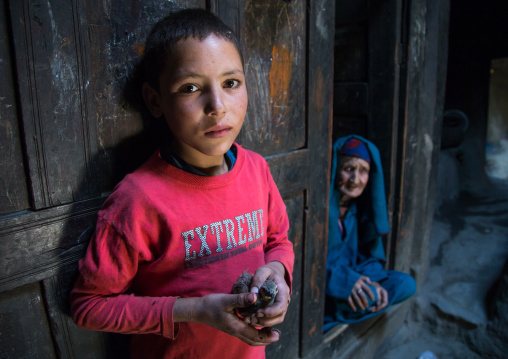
x,y
197,214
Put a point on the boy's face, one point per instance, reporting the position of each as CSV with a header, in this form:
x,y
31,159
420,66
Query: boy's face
x,y
354,175
203,98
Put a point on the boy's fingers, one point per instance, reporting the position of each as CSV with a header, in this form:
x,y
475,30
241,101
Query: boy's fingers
x,y
259,278
258,337
242,300
253,336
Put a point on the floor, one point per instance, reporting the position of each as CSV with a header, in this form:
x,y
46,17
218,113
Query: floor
x,y
469,247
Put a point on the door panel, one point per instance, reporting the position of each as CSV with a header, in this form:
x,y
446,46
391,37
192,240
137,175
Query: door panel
x,y
23,325
79,133
13,187
52,68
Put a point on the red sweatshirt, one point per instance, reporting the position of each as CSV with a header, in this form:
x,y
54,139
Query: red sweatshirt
x,y
165,233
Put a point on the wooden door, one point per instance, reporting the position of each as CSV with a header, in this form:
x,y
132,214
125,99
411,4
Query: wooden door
x,y
390,65
70,131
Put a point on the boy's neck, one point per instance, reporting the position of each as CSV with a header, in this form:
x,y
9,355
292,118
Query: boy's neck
x,y
209,165
213,170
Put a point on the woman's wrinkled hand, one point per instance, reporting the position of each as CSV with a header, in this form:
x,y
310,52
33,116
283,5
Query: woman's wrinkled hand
x,y
358,297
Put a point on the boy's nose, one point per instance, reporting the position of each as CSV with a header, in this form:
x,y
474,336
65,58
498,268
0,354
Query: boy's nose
x,y
215,105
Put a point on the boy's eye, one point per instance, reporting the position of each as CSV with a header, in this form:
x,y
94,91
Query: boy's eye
x,y
188,88
231,84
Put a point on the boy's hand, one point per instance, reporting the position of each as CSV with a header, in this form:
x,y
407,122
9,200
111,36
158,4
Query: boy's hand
x,y
218,311
274,314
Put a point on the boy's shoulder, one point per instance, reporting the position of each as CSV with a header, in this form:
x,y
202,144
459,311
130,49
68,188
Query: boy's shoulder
x,y
251,156
137,184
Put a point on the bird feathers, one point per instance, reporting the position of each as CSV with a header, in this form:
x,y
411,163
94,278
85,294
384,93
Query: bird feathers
x,y
265,297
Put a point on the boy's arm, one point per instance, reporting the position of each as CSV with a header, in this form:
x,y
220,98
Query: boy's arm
x,y
130,314
95,309
98,301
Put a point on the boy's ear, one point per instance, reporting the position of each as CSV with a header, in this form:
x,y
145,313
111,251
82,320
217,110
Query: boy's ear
x,y
152,100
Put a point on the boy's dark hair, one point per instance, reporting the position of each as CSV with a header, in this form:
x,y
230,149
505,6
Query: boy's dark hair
x,y
196,23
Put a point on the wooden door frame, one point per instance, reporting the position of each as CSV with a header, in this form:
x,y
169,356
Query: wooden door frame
x,y
409,69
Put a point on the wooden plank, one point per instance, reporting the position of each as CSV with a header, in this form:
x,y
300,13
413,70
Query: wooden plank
x,y
275,58
72,342
421,133
53,72
287,170
231,13
35,245
384,47
436,50
25,331
361,339
442,60
319,85
13,187
290,329
415,138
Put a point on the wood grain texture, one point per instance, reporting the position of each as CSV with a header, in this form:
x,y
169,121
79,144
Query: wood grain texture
x,y
274,45
35,245
320,92
13,187
290,328
385,94
441,22
23,325
72,342
425,90
53,72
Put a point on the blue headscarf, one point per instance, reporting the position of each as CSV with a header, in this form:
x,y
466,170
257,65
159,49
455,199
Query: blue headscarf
x,y
376,198
355,148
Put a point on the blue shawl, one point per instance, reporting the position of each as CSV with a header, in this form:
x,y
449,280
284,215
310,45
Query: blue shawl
x,y
375,197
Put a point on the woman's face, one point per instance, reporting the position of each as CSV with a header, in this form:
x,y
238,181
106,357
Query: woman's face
x,y
354,175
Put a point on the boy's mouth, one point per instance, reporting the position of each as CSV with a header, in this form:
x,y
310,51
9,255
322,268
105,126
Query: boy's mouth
x,y
218,131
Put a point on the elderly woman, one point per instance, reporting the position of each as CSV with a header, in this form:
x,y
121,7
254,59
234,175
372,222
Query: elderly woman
x,y
357,285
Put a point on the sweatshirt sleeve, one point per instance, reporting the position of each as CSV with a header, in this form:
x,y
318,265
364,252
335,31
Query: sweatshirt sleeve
x,y
279,247
99,300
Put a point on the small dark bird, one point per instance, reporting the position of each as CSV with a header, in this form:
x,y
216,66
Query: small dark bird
x,y
265,296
